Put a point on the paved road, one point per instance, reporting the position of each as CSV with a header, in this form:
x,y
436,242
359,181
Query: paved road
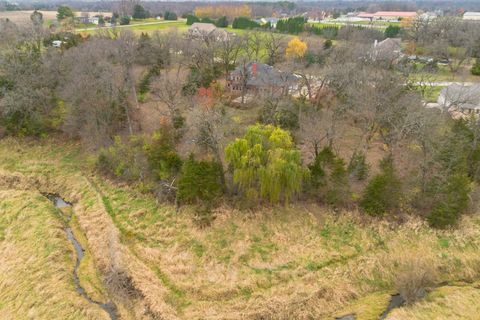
x,y
128,25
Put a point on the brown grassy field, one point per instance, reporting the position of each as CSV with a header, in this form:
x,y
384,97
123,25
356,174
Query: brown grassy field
x,y
24,16
302,262
37,261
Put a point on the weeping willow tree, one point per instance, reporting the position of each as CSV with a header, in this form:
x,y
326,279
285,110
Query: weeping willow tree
x,y
266,164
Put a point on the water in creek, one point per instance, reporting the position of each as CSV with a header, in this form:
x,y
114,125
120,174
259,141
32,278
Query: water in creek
x,y
395,302
109,307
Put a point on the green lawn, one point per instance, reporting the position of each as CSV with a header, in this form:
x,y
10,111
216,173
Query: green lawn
x,y
150,28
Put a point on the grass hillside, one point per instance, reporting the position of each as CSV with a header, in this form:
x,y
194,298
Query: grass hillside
x,y
37,262
302,262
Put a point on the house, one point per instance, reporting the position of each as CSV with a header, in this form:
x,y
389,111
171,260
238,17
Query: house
x,y
203,31
389,49
85,19
258,78
388,15
462,98
264,21
471,15
365,15
394,15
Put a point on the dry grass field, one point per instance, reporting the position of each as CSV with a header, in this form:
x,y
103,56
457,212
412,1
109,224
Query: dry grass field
x,y
302,262
37,261
24,16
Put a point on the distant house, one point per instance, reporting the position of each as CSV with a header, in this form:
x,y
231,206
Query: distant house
x,y
388,15
365,15
394,15
258,78
87,20
203,31
389,49
264,21
458,97
471,15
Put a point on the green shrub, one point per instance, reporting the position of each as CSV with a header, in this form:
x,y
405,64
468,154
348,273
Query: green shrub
x,y
327,44
358,166
476,68
123,160
200,182
162,158
392,31
222,22
125,20
383,191
328,177
454,201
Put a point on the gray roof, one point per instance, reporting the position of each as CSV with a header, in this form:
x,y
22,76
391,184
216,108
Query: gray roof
x,y
389,44
265,75
206,27
460,96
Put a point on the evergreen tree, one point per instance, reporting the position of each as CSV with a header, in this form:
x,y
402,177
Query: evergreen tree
x,y
244,23
64,12
139,12
392,31
476,68
200,182
454,200
383,192
191,19
125,20
169,15
222,22
328,177
291,25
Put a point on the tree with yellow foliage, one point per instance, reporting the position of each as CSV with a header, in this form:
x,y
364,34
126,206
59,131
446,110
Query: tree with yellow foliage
x,y
406,23
229,11
296,49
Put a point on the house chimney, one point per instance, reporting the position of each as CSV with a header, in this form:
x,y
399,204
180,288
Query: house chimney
x,y
254,69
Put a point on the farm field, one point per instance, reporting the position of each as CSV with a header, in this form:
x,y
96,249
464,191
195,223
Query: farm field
x,y
256,265
24,16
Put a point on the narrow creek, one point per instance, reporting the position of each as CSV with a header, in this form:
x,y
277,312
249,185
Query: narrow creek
x,y
108,307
